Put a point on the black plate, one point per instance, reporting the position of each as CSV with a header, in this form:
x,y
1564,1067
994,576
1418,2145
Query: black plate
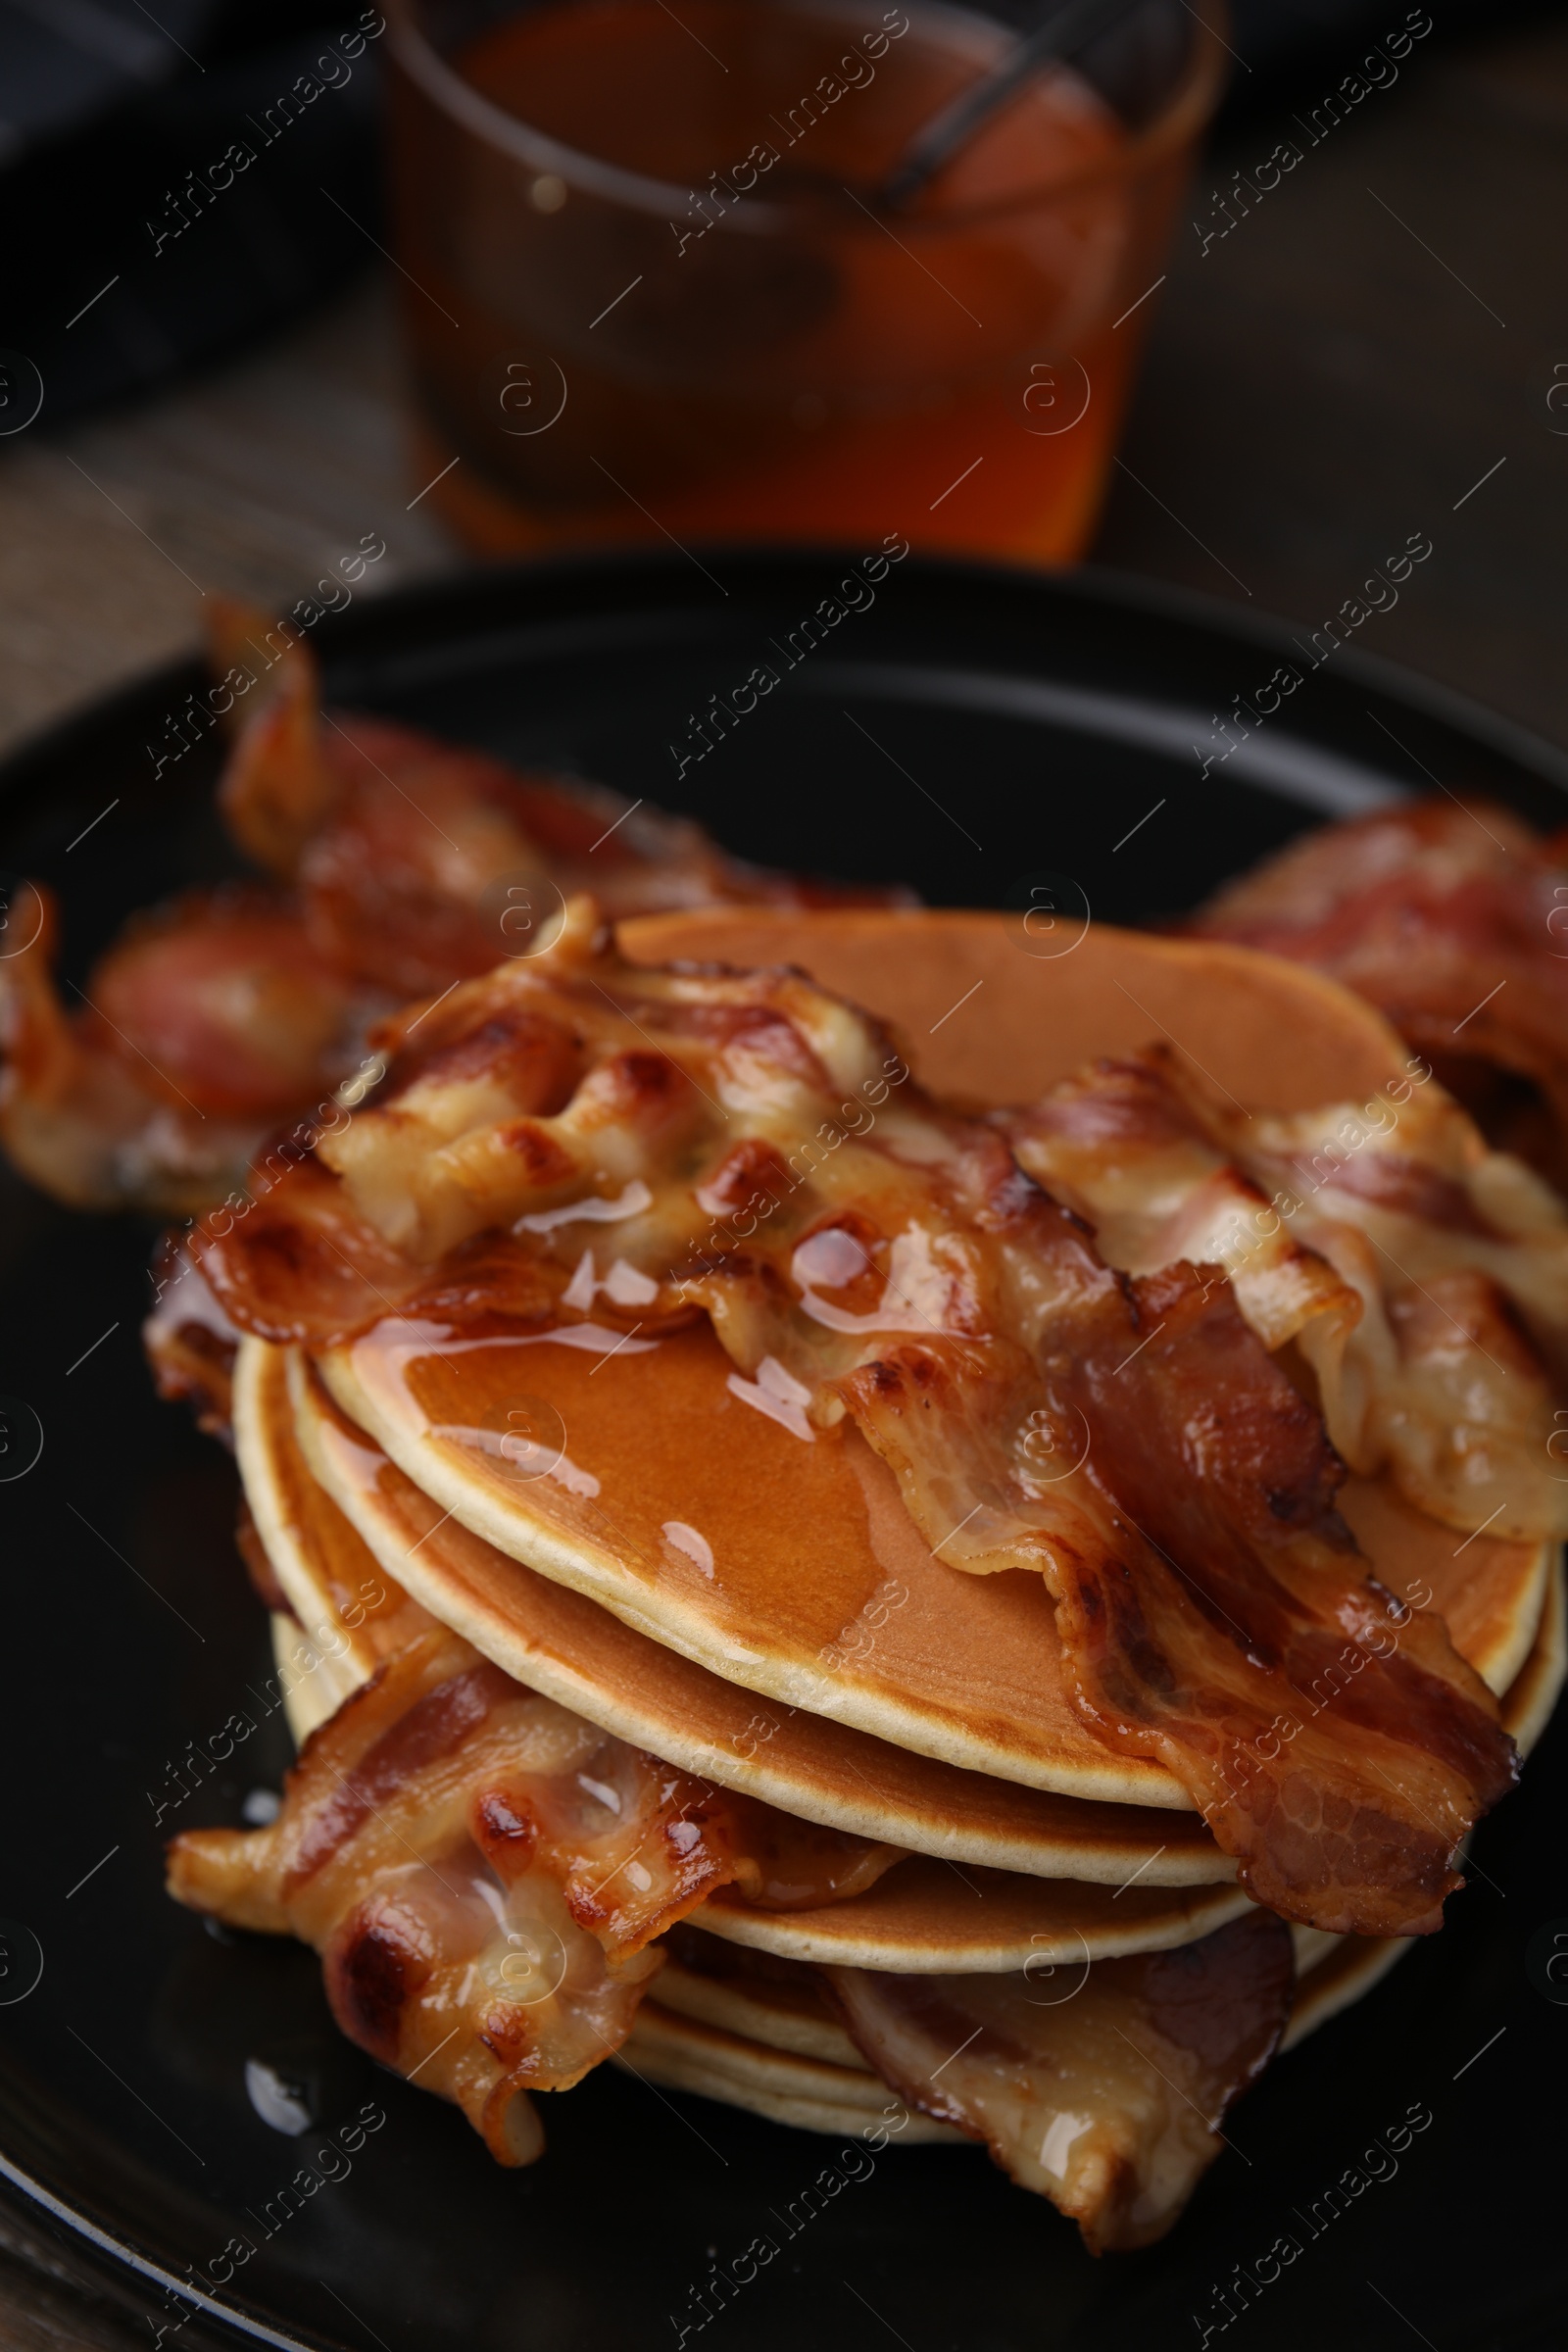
x,y
1008,728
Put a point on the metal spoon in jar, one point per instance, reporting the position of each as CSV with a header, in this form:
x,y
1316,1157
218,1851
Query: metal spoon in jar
x,y
1069,28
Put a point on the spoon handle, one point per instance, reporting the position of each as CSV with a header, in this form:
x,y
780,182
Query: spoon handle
x,y
950,129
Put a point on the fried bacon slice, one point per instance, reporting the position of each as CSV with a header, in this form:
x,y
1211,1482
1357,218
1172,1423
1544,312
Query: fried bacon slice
x,y
486,1876
1449,917
1213,1610
1120,1145
1102,2087
641,1145
1384,1238
190,1342
1426,1193
193,1034
398,864
419,863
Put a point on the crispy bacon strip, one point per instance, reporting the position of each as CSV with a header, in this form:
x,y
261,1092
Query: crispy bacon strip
x,y
486,1876
191,1033
1426,1195
1102,2089
190,1343
1385,1244
656,1144
278,787
1212,1609
1450,920
419,863
399,865
1120,1146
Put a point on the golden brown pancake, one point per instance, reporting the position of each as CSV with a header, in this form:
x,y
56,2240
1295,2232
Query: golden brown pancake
x,y
761,2000
927,1918
308,1700
964,1669
317,1557
984,1019
580,1656
784,2009
739,1565
967,1920
813,2095
749,2051
1490,1594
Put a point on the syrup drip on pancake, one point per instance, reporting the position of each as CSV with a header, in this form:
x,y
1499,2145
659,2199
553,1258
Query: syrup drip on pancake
x,y
566,1644
896,1263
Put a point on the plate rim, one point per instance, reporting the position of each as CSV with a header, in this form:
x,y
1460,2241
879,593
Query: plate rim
x,y
1102,588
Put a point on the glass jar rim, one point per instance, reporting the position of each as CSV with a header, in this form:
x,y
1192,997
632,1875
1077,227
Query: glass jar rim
x,y
1180,117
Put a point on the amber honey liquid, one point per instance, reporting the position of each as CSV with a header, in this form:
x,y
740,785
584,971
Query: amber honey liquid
x,y
714,338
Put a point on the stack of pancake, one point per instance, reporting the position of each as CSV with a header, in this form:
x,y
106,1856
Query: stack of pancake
x,y
807,1553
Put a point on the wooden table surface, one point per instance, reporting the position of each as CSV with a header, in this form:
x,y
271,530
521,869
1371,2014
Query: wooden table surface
x,y
1367,355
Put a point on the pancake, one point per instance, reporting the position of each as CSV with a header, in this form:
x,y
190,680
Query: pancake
x,y
582,1657
308,1700
1490,1594
346,1616
784,2009
782,2006
914,1918
675,1513
775,2002
751,2029
676,1496
762,2048
982,1921
985,1019
927,1918
966,1669
681,2054
579,1654
963,1668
